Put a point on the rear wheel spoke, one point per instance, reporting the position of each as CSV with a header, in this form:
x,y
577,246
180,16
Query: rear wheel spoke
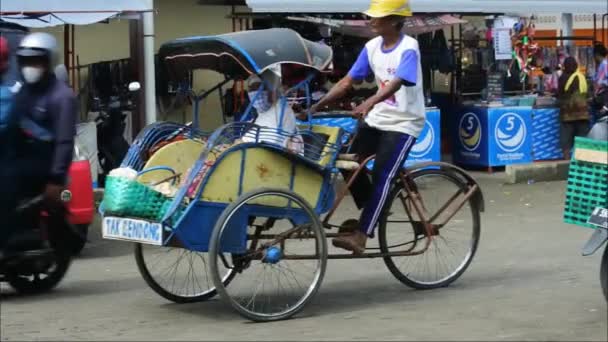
x,y
449,252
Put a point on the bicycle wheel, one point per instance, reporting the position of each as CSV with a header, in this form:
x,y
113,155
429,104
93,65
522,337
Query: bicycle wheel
x,y
453,244
177,274
272,285
40,281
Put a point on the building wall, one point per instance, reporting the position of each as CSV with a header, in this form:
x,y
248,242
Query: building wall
x,y
173,19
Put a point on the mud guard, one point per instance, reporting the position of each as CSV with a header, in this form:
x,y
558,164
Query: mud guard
x,y
458,172
599,237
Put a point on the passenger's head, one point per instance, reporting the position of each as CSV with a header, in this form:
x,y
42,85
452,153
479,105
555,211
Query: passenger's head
x,y
570,65
4,55
264,90
36,55
599,52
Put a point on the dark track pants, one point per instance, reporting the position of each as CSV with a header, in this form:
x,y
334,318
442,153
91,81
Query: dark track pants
x,y
391,150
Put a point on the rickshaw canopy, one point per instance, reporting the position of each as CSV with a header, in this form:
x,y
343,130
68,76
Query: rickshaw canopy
x,y
241,54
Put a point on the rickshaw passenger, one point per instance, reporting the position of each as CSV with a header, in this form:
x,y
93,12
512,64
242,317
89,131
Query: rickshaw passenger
x,y
264,93
393,117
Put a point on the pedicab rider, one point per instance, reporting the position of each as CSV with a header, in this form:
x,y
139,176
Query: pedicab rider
x,y
392,118
45,110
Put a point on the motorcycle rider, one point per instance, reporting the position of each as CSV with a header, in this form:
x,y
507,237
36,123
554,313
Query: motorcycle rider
x,y
45,110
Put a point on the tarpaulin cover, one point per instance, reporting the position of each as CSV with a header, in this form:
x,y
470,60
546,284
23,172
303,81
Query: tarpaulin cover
x,y
45,13
435,6
414,25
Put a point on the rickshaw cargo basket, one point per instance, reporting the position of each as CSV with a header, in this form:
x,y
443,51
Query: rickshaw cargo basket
x,y
126,197
587,186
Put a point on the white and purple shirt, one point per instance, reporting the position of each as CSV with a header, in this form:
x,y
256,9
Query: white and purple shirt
x,y
403,112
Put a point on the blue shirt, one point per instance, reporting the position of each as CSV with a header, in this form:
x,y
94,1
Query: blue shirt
x,y
6,103
407,70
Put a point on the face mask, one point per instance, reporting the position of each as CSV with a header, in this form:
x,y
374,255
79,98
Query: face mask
x,y
32,74
260,101
559,73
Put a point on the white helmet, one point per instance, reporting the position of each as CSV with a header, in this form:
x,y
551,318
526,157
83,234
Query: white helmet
x,y
39,44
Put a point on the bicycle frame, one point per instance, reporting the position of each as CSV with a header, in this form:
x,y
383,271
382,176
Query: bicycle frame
x,y
431,227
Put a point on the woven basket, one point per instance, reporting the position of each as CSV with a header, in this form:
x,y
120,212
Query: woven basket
x,y
124,197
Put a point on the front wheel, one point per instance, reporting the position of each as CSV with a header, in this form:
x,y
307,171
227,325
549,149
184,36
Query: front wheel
x,y
38,281
453,244
604,273
285,257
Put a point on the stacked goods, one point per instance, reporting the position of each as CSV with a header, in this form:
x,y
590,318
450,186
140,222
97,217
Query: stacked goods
x,y
209,162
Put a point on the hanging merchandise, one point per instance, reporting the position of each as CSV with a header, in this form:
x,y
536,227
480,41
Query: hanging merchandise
x,y
501,37
525,50
444,57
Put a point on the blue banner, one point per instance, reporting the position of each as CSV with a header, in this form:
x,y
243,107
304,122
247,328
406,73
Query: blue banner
x,y
426,149
493,136
510,135
545,134
470,141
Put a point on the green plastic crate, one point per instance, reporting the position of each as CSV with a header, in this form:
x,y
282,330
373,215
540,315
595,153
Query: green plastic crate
x,y
587,185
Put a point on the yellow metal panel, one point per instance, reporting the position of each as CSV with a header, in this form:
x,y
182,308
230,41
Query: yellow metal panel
x,y
262,169
223,185
179,156
332,132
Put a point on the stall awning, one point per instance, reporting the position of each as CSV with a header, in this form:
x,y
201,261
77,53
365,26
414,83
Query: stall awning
x,y
435,6
45,13
414,25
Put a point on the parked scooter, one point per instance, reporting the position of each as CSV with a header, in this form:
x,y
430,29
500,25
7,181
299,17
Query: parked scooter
x,y
111,123
599,217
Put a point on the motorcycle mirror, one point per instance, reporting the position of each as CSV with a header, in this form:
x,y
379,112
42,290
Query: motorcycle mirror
x,y
134,86
61,72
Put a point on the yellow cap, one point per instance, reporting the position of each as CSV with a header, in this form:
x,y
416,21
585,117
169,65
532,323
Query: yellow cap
x,y
384,8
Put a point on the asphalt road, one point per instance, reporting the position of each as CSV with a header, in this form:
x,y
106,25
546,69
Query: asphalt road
x,y
528,281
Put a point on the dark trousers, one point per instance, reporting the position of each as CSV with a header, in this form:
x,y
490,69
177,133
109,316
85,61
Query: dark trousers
x,y
391,150
20,180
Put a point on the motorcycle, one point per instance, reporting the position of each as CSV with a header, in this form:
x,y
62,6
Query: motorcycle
x,y
36,260
111,143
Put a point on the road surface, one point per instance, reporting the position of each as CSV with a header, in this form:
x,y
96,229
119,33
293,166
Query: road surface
x,y
528,281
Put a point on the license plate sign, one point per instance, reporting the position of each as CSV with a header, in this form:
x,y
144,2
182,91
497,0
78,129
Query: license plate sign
x,y
599,217
126,229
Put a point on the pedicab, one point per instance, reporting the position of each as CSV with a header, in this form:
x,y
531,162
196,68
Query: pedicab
x,y
242,217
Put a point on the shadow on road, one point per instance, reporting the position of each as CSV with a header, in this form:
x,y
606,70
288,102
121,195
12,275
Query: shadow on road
x,y
346,297
73,289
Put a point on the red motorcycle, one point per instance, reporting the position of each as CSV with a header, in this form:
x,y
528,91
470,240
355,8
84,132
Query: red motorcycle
x,y
37,270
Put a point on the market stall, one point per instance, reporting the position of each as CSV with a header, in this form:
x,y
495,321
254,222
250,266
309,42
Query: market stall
x,y
498,126
501,108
